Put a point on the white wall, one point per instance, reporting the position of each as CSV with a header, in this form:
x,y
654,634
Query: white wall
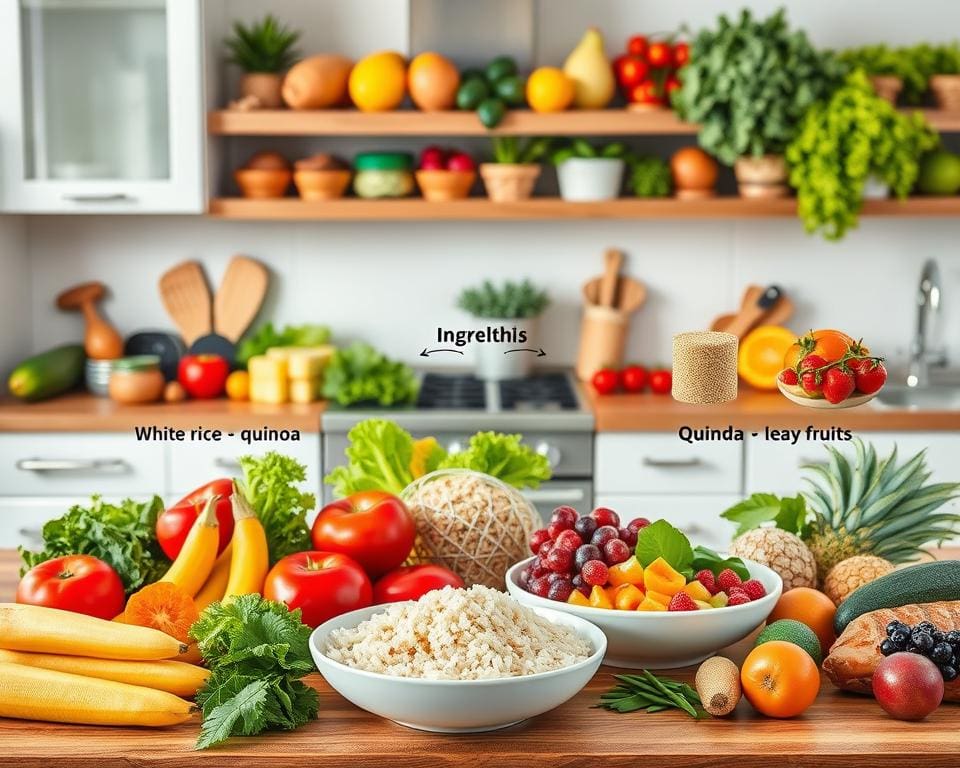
x,y
15,284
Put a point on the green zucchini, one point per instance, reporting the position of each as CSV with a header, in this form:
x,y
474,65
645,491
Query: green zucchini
x,y
48,373
924,583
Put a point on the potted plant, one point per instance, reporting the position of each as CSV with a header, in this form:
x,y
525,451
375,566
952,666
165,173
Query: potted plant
x,y
589,174
748,84
945,79
515,168
892,70
264,51
649,176
842,143
511,306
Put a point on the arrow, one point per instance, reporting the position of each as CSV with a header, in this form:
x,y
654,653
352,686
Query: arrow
x,y
540,352
427,352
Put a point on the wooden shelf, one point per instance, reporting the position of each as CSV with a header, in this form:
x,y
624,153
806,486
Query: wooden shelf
x,y
481,209
350,122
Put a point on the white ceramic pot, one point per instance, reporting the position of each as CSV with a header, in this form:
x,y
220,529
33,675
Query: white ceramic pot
x,y
589,179
496,363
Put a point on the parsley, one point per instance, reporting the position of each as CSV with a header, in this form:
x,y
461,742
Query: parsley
x,y
257,651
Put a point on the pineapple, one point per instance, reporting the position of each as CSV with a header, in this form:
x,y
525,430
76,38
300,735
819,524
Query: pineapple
x,y
849,575
780,550
871,506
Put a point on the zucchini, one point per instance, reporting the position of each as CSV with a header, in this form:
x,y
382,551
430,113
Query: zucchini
x,y
48,373
924,583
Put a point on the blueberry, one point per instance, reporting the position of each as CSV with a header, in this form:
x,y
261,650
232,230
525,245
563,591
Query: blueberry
x,y
888,647
926,626
921,640
949,673
941,653
900,638
893,626
953,637
938,637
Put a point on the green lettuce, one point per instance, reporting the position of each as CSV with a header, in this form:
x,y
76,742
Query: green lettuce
x,y
361,374
266,336
504,457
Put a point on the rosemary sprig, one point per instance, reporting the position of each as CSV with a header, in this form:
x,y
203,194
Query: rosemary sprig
x,y
650,693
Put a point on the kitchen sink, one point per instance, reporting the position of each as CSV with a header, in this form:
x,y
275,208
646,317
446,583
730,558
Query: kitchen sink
x,y
932,398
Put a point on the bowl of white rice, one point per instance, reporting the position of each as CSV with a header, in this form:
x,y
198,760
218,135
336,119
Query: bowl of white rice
x,y
457,660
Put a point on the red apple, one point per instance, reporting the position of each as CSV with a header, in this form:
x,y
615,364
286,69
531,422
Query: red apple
x,y
908,686
460,161
433,158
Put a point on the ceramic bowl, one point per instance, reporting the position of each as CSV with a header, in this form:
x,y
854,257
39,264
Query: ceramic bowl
x,y
590,179
321,185
795,394
665,640
438,186
262,183
457,706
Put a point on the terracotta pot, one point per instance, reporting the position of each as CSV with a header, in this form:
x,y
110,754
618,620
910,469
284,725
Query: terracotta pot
x,y
257,183
946,90
321,185
888,87
439,186
764,176
509,182
265,86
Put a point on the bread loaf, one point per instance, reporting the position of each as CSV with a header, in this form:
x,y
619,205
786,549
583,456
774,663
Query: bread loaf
x,y
856,653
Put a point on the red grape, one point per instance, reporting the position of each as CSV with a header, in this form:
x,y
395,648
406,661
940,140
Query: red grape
x,y
560,590
605,516
638,523
603,534
559,560
585,554
539,587
628,537
585,526
537,538
555,529
568,540
614,552
564,515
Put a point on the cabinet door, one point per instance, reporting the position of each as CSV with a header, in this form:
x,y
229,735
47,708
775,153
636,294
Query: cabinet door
x,y
101,106
697,516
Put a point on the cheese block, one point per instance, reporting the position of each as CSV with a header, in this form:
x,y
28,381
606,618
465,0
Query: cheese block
x,y
268,379
303,363
305,390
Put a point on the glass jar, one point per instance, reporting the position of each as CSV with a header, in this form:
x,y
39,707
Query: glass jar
x,y
383,174
136,379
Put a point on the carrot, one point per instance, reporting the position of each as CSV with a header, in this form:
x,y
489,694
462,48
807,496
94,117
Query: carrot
x,y
193,565
250,561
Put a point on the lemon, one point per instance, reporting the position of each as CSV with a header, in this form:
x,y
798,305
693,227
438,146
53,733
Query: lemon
x,y
549,90
378,82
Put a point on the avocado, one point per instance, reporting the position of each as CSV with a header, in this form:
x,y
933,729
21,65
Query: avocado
x,y
491,112
499,68
795,632
511,90
48,373
471,92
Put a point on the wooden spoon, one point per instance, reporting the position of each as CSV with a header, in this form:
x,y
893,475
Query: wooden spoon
x,y
185,294
101,341
777,314
632,295
239,297
613,262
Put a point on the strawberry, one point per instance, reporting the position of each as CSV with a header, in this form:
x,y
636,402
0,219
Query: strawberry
x,y
754,589
810,379
682,602
595,573
708,580
870,374
838,384
727,579
738,597
789,377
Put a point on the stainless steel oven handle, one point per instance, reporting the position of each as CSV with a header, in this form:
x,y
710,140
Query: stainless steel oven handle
x,y
71,465
672,463
116,197
559,495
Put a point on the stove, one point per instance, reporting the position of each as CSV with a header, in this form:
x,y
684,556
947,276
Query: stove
x,y
544,393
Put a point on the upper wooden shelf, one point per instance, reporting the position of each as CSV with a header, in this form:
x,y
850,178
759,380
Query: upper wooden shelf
x,y
350,122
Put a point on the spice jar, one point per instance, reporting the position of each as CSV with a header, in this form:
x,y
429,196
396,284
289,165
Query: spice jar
x,y
136,379
383,174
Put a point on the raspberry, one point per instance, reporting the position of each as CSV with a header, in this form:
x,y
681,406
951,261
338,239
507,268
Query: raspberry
x,y
568,540
605,516
754,589
538,538
727,578
708,580
738,597
595,573
682,602
559,559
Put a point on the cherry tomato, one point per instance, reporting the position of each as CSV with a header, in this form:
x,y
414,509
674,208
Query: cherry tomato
x,y
638,45
681,54
413,582
321,584
606,381
203,376
78,583
634,378
646,93
661,381
372,527
659,55
175,522
631,70
670,85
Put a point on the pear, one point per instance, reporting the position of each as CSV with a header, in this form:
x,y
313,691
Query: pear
x,y
589,68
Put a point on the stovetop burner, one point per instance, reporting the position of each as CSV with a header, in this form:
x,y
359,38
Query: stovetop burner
x,y
451,392
543,392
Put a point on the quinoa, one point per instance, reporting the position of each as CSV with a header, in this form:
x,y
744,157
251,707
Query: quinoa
x,y
458,634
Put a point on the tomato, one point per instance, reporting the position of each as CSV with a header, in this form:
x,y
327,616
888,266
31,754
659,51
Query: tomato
x,y
670,85
175,522
829,344
606,381
203,376
634,378
321,584
413,582
78,583
631,71
646,92
373,527
638,45
661,381
659,55
681,54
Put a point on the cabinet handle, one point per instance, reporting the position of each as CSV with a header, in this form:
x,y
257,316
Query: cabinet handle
x,y
71,465
115,197
224,463
31,533
672,463
560,495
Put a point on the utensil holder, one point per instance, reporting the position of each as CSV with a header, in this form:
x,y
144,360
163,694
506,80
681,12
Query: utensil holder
x,y
603,339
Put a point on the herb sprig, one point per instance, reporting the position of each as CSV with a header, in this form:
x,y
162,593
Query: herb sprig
x,y
651,693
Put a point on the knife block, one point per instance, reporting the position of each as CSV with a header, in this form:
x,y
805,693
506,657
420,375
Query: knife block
x,y
603,339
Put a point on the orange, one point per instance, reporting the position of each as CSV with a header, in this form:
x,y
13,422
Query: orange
x,y
809,607
432,80
163,606
378,82
549,90
238,386
780,679
829,344
761,355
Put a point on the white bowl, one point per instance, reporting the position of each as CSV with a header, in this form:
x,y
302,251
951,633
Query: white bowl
x,y
795,394
458,706
590,179
665,639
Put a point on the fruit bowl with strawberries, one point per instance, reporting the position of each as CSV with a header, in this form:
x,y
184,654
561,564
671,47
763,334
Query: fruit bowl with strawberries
x,y
828,369
660,601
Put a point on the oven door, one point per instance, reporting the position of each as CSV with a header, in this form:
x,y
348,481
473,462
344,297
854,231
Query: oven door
x,y
550,495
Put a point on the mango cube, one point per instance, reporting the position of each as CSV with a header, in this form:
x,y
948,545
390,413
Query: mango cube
x,y
627,598
703,605
661,577
578,598
628,572
599,598
659,597
697,591
650,605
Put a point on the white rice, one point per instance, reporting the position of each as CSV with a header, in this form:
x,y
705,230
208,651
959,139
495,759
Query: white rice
x,y
458,634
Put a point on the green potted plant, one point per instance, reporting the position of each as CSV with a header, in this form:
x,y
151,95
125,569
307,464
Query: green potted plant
x,y
515,168
845,141
264,50
945,77
889,69
748,84
649,176
587,173
514,307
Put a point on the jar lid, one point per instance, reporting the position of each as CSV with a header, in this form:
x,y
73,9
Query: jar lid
x,y
137,363
383,161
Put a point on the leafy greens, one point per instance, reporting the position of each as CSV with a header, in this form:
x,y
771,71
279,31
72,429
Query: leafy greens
x,y
660,539
361,374
504,457
266,336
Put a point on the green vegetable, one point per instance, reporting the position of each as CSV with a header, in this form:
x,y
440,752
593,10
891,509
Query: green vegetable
x,y
509,301
509,150
378,458
360,374
266,336
264,46
47,374
270,486
650,177
504,457
749,83
651,693
471,92
788,513
499,68
257,652
913,64
660,539
122,536
843,141
512,90
491,111
581,148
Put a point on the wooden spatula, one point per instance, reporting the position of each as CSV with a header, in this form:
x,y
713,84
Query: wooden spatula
x,y
239,297
186,296
777,314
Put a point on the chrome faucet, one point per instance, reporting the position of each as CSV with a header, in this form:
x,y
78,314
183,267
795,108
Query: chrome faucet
x,y
922,353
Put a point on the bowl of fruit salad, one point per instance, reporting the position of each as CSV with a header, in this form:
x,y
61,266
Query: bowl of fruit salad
x,y
661,602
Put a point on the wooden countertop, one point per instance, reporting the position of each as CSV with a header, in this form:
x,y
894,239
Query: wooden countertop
x,y
839,730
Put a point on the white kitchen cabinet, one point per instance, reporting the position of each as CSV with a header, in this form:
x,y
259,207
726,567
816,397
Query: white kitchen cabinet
x,y
101,106
697,516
